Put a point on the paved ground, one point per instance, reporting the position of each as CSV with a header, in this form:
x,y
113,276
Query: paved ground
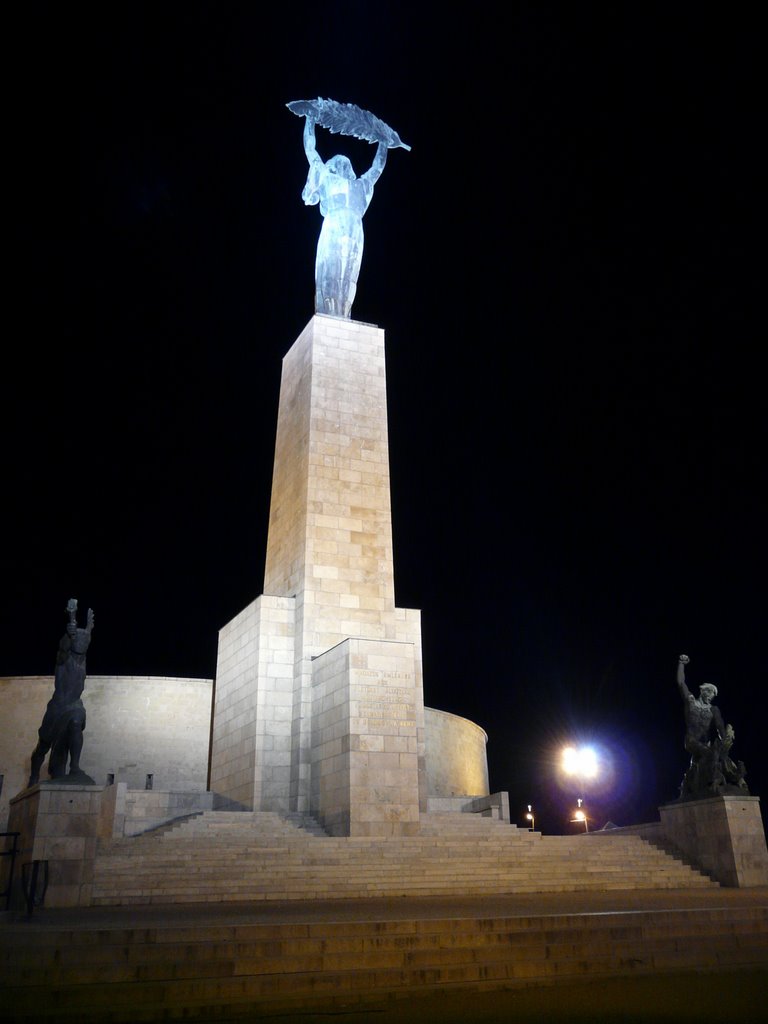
x,y
273,911
735,997
707,997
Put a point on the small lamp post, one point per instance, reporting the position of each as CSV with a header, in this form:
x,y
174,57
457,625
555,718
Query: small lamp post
x,y
529,817
580,815
582,764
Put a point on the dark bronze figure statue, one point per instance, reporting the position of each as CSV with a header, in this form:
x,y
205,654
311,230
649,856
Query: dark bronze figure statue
x,y
62,727
712,771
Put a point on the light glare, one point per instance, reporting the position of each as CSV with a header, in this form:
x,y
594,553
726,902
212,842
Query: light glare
x,y
581,762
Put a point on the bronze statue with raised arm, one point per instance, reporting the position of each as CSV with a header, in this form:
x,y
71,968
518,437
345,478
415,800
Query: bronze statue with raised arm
x,y
342,196
708,740
63,723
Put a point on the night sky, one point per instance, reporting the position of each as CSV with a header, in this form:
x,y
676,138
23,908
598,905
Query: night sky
x,y
566,269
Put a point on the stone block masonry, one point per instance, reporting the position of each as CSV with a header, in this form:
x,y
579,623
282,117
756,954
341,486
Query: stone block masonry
x,y
283,705
723,835
365,764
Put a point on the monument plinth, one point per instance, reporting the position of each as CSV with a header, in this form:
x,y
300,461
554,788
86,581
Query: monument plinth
x,y
319,680
723,835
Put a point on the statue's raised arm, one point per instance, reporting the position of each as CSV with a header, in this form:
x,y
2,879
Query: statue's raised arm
x,y
681,684
310,143
342,196
311,193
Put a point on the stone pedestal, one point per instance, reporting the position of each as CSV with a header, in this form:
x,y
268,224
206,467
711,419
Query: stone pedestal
x,y
723,835
61,823
294,727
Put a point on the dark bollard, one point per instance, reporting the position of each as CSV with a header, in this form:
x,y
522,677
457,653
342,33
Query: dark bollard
x,y
34,892
11,854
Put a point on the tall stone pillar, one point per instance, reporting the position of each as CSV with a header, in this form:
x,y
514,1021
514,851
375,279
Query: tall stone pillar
x,y
330,567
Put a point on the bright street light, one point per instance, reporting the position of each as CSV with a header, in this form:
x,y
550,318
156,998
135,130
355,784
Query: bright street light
x,y
581,762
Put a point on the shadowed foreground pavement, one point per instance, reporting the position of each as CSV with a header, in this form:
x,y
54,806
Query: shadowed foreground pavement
x,y
732,997
736,994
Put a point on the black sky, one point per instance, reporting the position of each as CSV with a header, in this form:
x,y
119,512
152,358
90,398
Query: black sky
x,y
566,266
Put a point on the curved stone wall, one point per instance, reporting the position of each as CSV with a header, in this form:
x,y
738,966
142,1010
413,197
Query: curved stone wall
x,y
159,726
457,764
136,725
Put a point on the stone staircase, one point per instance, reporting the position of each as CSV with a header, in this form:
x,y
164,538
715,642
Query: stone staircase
x,y
220,856
205,971
174,934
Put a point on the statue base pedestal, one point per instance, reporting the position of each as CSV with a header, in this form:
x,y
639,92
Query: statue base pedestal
x,y
73,779
722,835
61,822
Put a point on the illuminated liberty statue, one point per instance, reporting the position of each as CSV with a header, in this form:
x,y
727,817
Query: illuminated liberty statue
x,y
342,196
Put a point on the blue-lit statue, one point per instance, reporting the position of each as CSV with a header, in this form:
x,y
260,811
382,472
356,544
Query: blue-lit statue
x,y
342,196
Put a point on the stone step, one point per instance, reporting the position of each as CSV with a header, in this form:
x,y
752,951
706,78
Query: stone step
x,y
175,891
224,849
249,853
159,897
266,822
359,934
513,841
231,856
447,869
258,958
283,867
204,972
171,892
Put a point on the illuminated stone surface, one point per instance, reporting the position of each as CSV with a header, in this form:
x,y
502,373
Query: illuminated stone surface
x,y
298,724
723,835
